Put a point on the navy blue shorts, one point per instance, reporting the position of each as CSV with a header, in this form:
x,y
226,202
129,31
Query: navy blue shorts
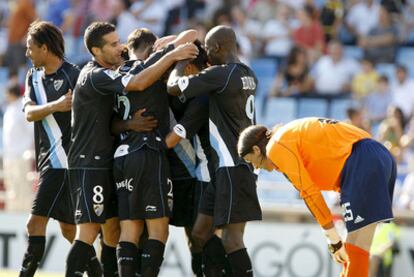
x,y
367,185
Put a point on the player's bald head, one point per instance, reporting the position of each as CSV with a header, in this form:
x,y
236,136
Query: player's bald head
x,y
222,35
220,43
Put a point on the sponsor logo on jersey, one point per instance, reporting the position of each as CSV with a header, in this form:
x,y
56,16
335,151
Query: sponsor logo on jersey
x,y
126,184
183,83
358,219
57,84
112,74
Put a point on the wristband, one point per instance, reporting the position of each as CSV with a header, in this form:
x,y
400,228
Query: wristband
x,y
334,247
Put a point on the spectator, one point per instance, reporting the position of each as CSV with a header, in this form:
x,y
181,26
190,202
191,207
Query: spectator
x,y
264,10
18,143
356,117
383,249
247,30
380,44
403,91
277,34
102,10
22,14
294,80
150,14
391,130
405,199
362,17
333,73
331,18
365,82
376,104
56,11
310,33
125,21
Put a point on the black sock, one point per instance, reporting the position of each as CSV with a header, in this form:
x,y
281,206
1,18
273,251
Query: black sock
x,y
33,255
109,261
93,267
152,258
214,257
139,259
240,263
127,254
196,264
78,257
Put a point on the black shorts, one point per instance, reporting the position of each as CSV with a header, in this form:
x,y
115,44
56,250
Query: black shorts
x,y
143,188
199,191
93,195
184,203
53,196
234,195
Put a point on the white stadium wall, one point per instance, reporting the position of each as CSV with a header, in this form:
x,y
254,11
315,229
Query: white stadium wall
x,y
276,249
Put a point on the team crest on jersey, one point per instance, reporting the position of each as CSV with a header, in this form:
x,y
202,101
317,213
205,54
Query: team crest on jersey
x,y
57,84
98,208
112,74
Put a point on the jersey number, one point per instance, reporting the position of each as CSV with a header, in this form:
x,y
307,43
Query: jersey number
x,y
348,215
124,101
98,197
250,108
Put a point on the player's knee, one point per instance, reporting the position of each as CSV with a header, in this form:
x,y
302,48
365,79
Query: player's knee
x,y
160,234
68,231
199,237
87,233
111,234
232,242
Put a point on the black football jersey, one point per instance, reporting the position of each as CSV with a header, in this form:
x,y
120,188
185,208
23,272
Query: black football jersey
x,y
52,134
153,99
192,124
93,105
231,89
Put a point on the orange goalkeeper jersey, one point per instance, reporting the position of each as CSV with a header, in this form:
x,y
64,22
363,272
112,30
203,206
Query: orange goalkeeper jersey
x,y
311,152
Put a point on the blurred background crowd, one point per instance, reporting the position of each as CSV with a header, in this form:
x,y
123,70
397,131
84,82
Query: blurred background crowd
x,y
351,60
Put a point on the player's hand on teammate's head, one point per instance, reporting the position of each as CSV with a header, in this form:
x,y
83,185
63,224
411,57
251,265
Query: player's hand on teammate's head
x,y
64,103
163,42
185,51
141,123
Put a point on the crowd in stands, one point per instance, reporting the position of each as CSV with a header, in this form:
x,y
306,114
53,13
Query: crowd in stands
x,y
361,50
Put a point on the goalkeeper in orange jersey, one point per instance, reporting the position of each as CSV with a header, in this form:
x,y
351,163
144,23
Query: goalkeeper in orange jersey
x,y
318,154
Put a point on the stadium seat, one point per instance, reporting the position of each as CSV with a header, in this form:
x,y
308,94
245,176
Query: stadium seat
x,y
264,86
405,56
338,108
353,52
386,69
4,73
279,110
312,107
264,67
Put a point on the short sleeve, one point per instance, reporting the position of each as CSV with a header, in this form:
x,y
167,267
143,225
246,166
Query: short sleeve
x,y
108,81
211,80
29,93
